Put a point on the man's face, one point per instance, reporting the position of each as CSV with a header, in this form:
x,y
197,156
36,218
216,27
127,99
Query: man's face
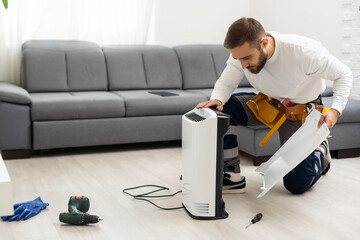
x,y
250,57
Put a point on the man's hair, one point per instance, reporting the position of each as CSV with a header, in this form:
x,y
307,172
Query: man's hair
x,y
244,30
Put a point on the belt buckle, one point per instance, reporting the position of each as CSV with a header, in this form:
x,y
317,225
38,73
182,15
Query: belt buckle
x,y
311,108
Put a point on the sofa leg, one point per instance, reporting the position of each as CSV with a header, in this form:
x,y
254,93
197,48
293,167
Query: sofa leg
x,y
260,160
15,154
346,153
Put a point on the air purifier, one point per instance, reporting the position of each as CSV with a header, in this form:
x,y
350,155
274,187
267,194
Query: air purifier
x,y
6,199
203,133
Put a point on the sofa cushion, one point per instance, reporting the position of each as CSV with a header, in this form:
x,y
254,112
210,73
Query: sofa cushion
x,y
198,67
44,71
50,65
86,70
202,65
144,103
350,114
142,67
76,105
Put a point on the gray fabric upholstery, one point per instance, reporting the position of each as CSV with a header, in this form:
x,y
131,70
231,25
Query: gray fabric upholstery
x,y
345,136
202,65
198,65
350,114
86,70
142,67
125,68
92,132
326,101
15,126
12,93
220,55
328,92
50,66
161,67
244,83
249,139
143,103
207,92
76,105
44,71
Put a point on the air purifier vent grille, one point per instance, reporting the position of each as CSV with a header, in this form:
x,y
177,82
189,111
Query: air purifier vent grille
x,y
194,117
201,207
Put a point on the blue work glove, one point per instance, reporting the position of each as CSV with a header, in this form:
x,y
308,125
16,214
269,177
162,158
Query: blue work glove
x,y
26,210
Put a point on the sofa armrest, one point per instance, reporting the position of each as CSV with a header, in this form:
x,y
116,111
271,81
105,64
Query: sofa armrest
x,y
12,93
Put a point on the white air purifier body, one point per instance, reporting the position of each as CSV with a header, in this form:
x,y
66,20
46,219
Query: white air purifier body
x,y
203,133
6,199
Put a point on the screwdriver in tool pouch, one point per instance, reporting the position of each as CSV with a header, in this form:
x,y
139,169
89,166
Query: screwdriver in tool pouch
x,y
255,219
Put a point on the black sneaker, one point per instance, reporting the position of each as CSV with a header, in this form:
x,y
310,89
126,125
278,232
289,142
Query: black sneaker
x,y
233,183
325,159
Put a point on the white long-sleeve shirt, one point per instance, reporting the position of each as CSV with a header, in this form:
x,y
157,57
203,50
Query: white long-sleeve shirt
x,y
297,71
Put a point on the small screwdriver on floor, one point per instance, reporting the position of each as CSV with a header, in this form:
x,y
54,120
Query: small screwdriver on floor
x,y
255,219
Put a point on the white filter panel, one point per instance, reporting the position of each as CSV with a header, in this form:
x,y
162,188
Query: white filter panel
x,y
303,142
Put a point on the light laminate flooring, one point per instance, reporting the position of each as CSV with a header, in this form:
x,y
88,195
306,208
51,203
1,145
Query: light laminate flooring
x,y
330,210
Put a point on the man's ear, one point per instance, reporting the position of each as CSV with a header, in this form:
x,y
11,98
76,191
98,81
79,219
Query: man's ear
x,y
264,42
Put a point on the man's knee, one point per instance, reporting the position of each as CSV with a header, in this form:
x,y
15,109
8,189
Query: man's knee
x,y
304,176
298,186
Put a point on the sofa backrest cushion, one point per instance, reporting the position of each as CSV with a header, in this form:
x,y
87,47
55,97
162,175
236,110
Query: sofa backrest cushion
x,y
198,65
202,65
142,67
62,65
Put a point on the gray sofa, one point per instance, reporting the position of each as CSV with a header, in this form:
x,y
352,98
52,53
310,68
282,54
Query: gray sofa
x,y
76,93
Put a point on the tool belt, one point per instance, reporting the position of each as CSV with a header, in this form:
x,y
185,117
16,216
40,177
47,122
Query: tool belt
x,y
273,113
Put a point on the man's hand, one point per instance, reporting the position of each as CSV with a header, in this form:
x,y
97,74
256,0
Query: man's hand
x,y
210,103
329,117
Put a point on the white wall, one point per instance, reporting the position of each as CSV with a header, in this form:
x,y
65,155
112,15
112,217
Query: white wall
x,y
206,21
317,19
194,21
335,23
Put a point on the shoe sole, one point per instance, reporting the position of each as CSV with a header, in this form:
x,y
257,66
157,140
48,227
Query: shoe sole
x,y
326,170
233,191
233,187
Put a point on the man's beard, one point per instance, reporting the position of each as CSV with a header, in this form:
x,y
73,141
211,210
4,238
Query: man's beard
x,y
261,63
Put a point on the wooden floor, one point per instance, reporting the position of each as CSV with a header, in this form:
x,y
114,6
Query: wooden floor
x,y
331,210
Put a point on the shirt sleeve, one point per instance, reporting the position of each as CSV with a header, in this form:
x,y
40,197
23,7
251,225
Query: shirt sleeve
x,y
228,81
329,67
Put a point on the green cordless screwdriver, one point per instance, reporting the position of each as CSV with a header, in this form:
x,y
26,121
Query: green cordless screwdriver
x,y
77,207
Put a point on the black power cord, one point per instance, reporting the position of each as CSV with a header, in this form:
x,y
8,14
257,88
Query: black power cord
x,y
144,196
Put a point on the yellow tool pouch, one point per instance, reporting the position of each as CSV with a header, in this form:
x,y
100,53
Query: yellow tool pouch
x,y
266,110
273,114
